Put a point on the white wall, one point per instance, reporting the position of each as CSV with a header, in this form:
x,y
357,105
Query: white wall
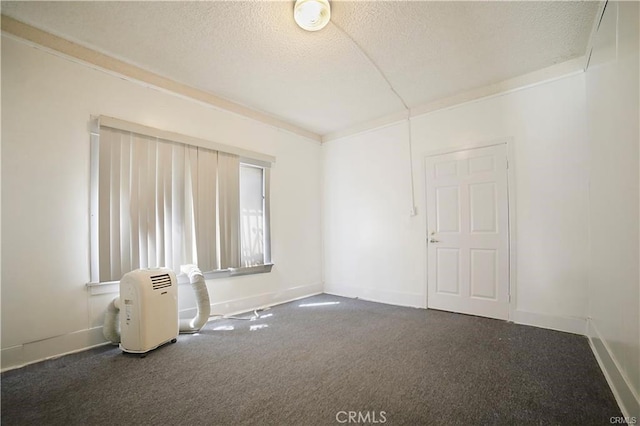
x,y
373,249
614,278
46,104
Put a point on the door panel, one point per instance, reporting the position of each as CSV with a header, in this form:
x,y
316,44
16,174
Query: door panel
x,y
448,267
467,220
484,268
446,169
483,207
448,209
481,164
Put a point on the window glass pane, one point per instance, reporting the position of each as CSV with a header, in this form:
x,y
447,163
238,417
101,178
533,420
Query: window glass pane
x,y
252,215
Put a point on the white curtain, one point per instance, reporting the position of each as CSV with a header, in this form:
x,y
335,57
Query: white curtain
x,y
229,209
205,207
145,204
164,204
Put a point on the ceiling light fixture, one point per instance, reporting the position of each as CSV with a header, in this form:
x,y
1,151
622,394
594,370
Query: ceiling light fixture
x,y
312,15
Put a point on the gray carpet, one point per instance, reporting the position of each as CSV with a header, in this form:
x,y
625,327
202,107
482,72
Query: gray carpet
x,y
305,365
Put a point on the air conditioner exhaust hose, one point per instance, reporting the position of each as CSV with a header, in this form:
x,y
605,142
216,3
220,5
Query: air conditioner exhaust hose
x,y
111,328
202,300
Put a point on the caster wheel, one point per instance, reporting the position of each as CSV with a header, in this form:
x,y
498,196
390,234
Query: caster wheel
x,y
143,355
174,340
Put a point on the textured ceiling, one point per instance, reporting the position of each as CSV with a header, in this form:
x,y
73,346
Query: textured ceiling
x,y
253,53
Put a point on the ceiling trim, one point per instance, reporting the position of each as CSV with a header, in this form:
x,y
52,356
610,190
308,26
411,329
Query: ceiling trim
x,y
374,124
545,75
127,126
93,57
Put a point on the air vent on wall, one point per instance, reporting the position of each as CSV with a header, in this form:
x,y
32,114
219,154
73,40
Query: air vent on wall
x,y
160,281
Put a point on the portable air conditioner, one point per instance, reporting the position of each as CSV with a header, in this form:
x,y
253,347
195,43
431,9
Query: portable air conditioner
x,y
148,309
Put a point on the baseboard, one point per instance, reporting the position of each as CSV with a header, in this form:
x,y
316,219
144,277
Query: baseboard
x,y
627,398
53,347
57,346
573,325
412,300
246,304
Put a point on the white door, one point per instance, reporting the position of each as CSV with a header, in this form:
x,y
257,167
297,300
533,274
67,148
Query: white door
x,y
468,232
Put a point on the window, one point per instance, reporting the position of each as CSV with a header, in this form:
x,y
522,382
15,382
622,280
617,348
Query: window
x,y
252,215
160,202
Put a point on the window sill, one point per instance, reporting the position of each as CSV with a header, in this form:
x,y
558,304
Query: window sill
x,y
250,270
109,287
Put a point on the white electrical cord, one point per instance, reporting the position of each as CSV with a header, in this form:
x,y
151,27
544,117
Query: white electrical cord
x,y
404,104
255,316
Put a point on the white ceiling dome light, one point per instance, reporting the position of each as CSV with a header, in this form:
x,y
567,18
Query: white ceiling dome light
x,y
312,15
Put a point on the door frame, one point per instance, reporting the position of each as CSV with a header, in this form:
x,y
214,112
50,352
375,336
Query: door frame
x,y
511,208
